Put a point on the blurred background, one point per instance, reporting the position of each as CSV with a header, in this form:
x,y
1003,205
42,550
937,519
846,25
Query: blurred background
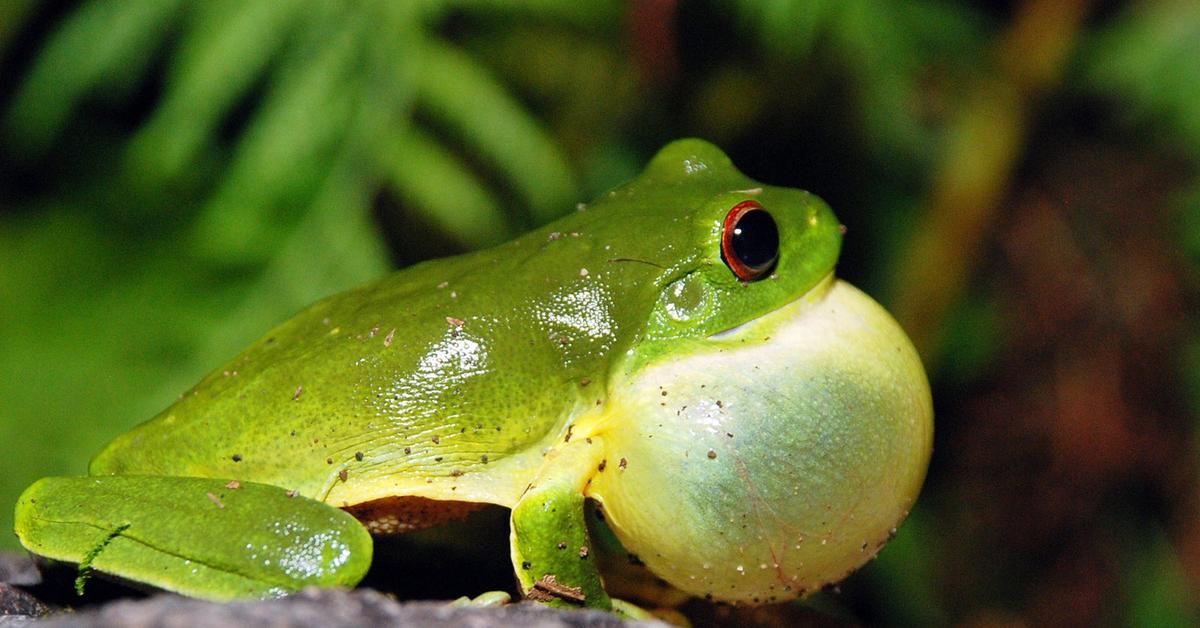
x,y
1019,181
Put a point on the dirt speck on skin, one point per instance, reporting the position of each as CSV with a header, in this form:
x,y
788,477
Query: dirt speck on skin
x,y
437,440
293,493
299,391
358,455
216,500
343,474
712,454
548,588
583,551
387,340
236,457
454,322
233,485
623,463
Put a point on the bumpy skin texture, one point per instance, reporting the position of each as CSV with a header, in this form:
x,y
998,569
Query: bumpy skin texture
x,y
749,440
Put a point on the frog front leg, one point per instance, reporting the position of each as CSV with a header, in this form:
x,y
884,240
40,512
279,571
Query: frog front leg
x,y
551,550
215,539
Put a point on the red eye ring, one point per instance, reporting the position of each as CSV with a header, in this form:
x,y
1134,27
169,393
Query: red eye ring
x,y
749,241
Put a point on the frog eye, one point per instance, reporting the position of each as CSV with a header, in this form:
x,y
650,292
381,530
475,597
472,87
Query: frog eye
x,y
749,241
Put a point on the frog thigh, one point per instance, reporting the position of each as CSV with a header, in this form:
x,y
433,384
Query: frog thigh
x,y
206,538
551,551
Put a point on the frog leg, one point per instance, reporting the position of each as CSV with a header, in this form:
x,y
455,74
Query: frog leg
x,y
551,550
215,539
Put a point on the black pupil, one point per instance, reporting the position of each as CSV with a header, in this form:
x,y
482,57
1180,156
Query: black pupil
x,y
756,239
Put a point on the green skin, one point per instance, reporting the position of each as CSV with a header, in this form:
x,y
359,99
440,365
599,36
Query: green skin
x,y
749,441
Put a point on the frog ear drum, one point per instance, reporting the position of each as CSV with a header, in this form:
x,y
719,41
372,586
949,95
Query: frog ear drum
x,y
749,241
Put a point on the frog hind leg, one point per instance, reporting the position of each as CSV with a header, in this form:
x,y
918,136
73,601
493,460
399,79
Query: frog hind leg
x,y
207,538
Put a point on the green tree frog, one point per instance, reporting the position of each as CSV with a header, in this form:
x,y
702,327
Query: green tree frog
x,y
678,351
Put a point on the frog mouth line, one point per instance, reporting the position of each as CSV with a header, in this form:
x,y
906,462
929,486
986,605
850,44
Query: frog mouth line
x,y
792,308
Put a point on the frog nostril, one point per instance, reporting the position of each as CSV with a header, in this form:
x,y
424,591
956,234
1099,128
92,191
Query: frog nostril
x,y
749,241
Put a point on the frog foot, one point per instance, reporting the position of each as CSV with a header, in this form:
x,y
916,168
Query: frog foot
x,y
629,610
485,600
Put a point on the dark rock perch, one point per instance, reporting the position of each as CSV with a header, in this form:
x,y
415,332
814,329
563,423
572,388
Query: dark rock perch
x,y
312,607
15,602
327,607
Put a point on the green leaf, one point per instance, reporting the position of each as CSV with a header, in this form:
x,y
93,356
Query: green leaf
x,y
458,92
334,247
591,14
224,51
1149,60
102,40
1159,591
12,17
287,146
435,182
880,49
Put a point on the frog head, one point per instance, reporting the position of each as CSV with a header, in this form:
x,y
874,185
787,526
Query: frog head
x,y
771,425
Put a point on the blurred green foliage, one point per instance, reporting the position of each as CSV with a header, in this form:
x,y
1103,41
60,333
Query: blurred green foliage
x,y
178,175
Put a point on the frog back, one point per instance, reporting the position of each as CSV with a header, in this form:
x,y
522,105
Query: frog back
x,y
451,378
447,380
